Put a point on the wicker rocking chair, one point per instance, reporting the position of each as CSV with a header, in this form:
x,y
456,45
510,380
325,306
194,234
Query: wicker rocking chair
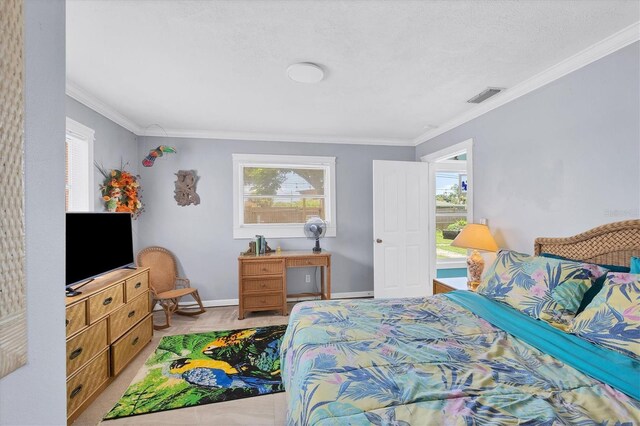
x,y
166,287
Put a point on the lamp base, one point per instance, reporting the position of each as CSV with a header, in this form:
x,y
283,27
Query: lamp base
x,y
475,265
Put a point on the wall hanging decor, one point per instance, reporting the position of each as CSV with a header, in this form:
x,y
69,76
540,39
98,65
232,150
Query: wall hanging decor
x,y
185,192
157,152
13,309
121,191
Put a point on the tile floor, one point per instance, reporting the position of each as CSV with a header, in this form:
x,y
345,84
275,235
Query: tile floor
x,y
256,411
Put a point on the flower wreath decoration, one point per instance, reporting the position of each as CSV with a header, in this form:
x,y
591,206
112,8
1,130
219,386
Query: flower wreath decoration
x,y
121,191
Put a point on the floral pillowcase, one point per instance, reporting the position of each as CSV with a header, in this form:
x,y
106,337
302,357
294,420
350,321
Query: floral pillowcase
x,y
612,319
543,288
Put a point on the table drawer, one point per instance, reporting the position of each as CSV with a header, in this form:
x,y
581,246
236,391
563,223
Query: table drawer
x,y
135,286
76,318
106,301
127,316
81,386
263,301
262,285
130,344
86,345
306,261
270,267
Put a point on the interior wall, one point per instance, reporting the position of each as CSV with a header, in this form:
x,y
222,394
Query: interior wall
x,y
36,393
113,146
202,236
561,159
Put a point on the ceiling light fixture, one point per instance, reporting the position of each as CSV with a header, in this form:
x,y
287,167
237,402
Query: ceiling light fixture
x,y
305,72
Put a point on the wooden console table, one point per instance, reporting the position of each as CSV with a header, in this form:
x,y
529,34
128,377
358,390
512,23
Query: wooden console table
x,y
262,280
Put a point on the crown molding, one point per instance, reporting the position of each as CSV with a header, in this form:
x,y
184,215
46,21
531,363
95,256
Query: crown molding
x,y
278,137
617,41
101,107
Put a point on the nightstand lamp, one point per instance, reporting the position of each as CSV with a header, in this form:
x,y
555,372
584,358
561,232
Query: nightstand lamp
x,y
475,237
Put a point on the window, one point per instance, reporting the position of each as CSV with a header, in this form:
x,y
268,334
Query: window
x,y
79,159
451,210
274,195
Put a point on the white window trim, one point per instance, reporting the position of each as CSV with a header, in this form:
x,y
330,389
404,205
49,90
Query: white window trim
x,y
241,230
448,152
84,133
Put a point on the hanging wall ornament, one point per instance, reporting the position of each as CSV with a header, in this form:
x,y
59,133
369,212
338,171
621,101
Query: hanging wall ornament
x,y
185,192
157,152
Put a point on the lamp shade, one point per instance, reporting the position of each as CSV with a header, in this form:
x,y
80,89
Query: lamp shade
x,y
475,236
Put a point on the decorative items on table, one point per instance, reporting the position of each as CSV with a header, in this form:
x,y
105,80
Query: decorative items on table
x,y
257,247
476,237
157,152
121,191
185,192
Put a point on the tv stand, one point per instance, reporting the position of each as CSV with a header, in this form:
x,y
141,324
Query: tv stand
x,y
106,327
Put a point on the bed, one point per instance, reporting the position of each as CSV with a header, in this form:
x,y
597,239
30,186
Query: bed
x,y
459,358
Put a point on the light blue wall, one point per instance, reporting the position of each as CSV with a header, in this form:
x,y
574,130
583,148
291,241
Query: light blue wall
x,y
114,145
561,159
35,393
201,236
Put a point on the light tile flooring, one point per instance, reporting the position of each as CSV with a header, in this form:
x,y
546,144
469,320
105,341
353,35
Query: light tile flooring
x,y
255,411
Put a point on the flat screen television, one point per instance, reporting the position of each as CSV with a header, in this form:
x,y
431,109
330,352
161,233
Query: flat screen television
x,y
96,243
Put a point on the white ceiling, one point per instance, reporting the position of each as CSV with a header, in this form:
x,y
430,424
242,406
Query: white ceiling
x,y
393,69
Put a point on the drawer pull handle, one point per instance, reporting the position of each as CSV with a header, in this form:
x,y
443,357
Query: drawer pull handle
x,y
135,341
132,313
308,262
67,322
264,301
138,285
107,301
263,285
76,391
75,354
264,269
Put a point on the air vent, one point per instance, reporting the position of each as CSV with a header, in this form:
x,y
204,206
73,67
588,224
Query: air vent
x,y
485,94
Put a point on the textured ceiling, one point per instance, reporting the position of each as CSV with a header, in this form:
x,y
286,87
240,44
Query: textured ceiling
x,y
392,68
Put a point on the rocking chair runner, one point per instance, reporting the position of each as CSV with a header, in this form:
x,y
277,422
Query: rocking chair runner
x,y
166,287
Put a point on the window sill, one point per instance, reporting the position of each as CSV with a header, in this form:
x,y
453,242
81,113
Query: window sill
x,y
275,231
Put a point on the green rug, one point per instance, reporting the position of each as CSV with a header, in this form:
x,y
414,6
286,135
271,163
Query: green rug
x,y
201,368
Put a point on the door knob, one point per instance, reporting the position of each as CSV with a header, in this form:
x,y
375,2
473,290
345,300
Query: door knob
x,y
378,241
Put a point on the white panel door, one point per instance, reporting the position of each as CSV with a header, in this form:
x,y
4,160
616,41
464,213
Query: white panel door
x,y
400,229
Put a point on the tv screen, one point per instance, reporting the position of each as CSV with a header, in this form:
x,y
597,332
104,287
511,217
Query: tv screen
x,y
97,243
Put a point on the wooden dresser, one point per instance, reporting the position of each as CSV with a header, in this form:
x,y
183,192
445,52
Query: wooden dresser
x,y
107,325
262,280
445,285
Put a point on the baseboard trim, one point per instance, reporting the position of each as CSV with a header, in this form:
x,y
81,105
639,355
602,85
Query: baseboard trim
x,y
234,302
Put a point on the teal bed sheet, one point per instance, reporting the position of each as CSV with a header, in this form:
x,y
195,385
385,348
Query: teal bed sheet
x,y
433,361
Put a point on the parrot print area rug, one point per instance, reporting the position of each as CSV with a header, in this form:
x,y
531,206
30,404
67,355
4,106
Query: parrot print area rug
x,y
202,368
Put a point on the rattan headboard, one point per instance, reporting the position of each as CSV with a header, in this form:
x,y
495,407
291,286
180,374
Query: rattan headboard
x,y
611,244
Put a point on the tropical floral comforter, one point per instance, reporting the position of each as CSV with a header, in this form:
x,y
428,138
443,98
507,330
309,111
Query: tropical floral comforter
x,y
429,361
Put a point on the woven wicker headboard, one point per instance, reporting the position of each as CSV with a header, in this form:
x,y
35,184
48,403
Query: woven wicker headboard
x,y
611,244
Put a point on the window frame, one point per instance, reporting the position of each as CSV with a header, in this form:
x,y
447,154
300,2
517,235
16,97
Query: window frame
x,y
242,230
80,132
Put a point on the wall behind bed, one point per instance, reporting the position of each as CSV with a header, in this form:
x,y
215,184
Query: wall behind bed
x,y
202,236
561,159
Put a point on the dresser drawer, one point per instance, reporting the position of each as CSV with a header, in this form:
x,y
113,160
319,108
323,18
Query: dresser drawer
x,y
272,300
130,344
262,285
264,267
307,261
127,316
135,286
106,301
82,385
86,345
76,318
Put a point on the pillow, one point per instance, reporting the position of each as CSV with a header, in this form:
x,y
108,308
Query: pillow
x,y
541,287
612,319
635,265
597,285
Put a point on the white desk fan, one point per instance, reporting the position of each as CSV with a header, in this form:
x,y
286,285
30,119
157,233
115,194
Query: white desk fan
x,y
315,228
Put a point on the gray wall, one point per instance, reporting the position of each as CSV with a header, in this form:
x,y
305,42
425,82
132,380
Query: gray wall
x,y
114,145
35,393
202,236
561,159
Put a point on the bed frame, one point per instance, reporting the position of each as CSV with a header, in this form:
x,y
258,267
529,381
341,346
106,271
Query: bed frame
x,y
610,244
